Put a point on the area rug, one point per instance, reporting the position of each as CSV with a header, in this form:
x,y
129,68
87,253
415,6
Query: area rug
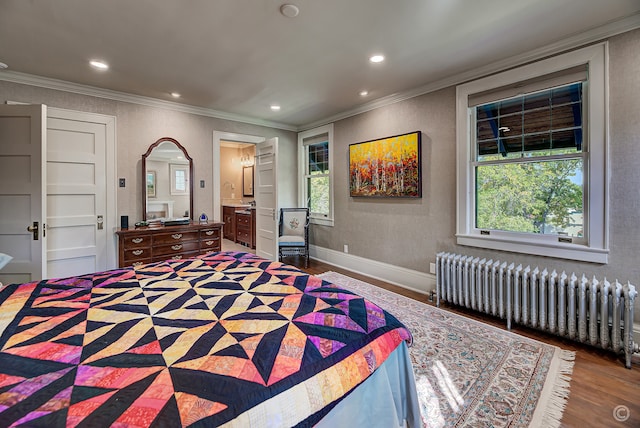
x,y
472,374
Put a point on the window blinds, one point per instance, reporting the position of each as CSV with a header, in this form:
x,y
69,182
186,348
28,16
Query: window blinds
x,y
563,77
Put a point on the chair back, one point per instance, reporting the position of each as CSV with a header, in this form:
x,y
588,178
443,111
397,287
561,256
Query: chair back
x,y
293,221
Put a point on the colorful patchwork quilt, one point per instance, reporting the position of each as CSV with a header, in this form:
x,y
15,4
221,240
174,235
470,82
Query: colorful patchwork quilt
x,y
196,342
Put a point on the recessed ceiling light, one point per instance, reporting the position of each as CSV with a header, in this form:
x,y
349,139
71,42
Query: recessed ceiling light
x,y
364,93
175,95
275,107
3,66
100,65
289,10
376,58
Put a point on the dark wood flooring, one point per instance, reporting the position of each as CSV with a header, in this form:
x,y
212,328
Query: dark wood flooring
x,y
599,384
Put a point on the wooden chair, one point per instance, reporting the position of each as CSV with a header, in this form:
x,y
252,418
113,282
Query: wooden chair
x,y
293,233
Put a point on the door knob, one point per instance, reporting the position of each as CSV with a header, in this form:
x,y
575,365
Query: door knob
x,y
34,229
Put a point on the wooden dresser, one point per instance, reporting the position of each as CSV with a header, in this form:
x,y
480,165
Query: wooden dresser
x,y
157,243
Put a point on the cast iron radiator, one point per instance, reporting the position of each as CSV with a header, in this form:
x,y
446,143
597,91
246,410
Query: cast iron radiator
x,y
595,312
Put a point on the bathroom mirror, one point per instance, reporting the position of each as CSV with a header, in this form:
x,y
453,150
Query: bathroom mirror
x,y
167,182
247,180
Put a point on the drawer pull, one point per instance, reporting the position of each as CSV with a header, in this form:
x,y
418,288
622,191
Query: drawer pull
x,y
137,240
176,235
177,257
176,247
209,232
137,264
209,243
137,252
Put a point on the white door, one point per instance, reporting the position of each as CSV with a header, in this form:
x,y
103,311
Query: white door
x,y
266,199
22,181
78,220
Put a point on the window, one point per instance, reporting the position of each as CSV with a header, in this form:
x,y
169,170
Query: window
x,y
531,158
179,179
315,168
528,163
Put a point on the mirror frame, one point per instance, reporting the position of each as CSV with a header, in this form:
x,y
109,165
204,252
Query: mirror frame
x,y
144,174
247,191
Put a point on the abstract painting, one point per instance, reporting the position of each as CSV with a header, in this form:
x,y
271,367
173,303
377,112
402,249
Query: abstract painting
x,y
388,167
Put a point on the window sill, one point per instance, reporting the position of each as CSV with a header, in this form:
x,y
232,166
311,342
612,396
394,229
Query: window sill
x,y
560,251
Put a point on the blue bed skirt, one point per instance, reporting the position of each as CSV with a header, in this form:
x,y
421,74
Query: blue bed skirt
x,y
388,398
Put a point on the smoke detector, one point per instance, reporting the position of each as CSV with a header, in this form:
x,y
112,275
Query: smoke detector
x,y
289,10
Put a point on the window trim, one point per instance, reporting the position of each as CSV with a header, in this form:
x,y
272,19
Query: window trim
x,y
302,187
596,180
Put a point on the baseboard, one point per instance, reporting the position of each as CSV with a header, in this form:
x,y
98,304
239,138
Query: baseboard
x,y
419,282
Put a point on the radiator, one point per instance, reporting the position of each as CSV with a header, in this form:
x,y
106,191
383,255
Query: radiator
x,y
591,311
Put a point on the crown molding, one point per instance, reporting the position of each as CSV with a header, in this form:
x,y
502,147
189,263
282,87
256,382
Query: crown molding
x,y
594,35
76,88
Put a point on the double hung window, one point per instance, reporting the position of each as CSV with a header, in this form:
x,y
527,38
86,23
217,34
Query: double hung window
x,y
529,163
532,158
315,168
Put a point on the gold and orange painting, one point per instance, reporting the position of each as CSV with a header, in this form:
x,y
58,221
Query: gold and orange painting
x,y
388,167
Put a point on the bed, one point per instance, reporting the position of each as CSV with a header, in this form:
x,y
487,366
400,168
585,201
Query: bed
x,y
224,339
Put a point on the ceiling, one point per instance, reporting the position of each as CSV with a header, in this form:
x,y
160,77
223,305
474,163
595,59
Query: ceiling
x,y
235,58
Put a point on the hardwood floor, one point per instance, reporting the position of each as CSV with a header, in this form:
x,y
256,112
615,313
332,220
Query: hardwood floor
x,y
599,384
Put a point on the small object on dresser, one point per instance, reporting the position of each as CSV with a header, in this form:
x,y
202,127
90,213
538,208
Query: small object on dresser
x,y
142,224
124,222
177,222
204,219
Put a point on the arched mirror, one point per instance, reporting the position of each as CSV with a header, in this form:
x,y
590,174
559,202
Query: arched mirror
x,y
167,182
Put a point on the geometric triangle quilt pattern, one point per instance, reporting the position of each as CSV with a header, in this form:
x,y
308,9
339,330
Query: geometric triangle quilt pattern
x,y
175,343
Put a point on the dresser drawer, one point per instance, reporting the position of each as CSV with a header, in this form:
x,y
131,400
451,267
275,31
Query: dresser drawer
x,y
243,220
137,241
243,235
212,244
135,254
178,247
176,256
174,237
210,234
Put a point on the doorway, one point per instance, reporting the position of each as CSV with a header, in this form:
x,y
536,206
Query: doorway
x,y
237,161
236,172
265,187
218,138
228,160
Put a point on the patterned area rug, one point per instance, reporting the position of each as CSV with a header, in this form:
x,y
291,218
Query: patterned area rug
x,y
472,374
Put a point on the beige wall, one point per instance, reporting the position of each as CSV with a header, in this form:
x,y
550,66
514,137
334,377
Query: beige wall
x,y
408,233
138,126
402,232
